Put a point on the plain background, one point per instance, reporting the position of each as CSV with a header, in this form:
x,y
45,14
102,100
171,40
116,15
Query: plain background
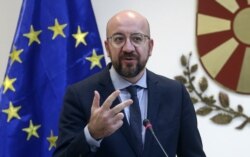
x,y
173,30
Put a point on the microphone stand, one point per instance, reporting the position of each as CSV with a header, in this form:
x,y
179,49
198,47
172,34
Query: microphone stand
x,y
148,125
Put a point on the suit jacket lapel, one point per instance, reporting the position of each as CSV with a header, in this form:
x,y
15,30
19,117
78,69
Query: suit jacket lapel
x,y
106,89
153,108
153,97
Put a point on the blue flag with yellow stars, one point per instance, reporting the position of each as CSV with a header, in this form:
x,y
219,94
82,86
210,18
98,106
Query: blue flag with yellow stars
x,y
56,44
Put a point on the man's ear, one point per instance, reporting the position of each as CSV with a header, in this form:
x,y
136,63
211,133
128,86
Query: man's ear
x,y
150,46
107,47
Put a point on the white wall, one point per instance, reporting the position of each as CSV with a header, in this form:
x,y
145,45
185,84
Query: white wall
x,y
173,29
9,12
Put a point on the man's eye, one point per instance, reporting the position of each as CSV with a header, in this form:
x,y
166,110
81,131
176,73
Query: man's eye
x,y
137,39
118,39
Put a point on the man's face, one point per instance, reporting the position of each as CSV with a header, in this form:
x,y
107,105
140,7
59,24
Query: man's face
x,y
128,59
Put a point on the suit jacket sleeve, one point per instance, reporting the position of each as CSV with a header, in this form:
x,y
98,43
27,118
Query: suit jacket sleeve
x,y
72,141
190,144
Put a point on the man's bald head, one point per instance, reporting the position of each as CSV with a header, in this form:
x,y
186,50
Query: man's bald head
x,y
127,17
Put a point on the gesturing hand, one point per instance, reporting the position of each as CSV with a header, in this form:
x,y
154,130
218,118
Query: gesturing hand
x,y
105,120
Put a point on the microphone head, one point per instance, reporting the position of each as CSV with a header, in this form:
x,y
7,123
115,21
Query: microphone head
x,y
147,124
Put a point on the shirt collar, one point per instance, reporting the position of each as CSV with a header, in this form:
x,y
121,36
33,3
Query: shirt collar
x,y
121,83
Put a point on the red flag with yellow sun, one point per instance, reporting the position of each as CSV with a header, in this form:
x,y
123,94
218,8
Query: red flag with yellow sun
x,y
223,42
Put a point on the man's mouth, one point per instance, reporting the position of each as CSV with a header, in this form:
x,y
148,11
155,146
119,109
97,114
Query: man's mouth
x,y
129,59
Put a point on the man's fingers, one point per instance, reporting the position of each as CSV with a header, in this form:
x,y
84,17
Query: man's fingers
x,y
118,117
118,125
118,108
117,121
96,101
108,102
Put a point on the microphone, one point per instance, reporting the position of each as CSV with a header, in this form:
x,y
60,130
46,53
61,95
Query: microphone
x,y
148,125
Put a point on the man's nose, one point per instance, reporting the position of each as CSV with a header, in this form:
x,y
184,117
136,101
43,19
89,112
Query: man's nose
x,y
128,46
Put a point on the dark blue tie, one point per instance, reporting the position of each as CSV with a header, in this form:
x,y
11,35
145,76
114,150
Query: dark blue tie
x,y
135,116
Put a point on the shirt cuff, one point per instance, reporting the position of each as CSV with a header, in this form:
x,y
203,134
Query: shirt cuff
x,y
93,143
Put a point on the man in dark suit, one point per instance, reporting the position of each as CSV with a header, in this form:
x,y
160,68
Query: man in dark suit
x,y
102,116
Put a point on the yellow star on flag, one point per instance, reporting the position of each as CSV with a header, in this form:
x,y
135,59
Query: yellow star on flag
x,y
8,84
32,130
14,56
52,140
12,112
95,59
57,29
80,37
33,35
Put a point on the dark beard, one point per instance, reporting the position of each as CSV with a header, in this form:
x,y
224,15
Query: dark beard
x,y
129,71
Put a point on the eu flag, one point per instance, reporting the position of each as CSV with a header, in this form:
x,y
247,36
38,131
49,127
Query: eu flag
x,y
56,44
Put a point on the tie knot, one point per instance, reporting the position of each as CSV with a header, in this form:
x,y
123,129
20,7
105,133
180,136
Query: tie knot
x,y
132,90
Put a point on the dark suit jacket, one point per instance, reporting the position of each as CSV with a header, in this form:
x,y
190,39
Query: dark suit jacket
x,y
169,110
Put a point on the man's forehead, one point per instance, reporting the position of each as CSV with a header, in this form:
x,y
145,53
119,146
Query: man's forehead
x,y
128,21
